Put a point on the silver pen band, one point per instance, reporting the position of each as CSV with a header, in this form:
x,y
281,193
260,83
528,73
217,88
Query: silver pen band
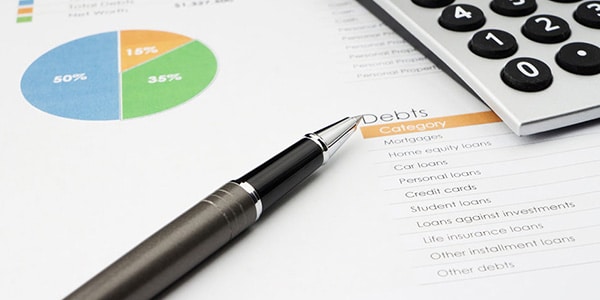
x,y
255,197
321,143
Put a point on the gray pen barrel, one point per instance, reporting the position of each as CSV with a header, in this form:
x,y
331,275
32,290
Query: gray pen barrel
x,y
175,249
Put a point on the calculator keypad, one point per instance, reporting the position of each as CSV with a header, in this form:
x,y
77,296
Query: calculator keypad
x,y
526,73
535,63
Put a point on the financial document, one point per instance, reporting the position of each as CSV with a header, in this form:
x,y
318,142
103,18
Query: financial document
x,y
471,201
117,116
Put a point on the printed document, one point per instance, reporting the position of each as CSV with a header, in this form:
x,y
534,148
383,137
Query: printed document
x,y
117,116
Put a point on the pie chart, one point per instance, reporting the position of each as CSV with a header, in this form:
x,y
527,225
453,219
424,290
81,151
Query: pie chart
x,y
119,75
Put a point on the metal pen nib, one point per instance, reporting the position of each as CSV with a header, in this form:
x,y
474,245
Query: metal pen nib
x,y
332,137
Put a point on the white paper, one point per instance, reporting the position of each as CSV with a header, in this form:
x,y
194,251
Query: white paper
x,y
77,194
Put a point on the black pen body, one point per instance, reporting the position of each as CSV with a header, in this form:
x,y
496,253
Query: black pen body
x,y
282,173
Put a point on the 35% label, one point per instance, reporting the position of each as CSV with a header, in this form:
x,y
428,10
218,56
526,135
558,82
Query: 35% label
x,y
164,78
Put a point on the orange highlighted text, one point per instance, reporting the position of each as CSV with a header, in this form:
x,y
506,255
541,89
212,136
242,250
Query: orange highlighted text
x,y
380,130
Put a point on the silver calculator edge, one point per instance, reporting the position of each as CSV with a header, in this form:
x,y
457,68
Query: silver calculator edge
x,y
522,123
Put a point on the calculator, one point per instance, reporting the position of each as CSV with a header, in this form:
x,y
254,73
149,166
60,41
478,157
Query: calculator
x,y
536,64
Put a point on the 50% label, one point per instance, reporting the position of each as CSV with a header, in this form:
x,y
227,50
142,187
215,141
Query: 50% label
x,y
68,78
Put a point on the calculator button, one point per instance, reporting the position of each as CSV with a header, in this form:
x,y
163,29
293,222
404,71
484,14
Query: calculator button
x,y
579,58
462,17
527,74
513,8
588,14
432,3
546,29
492,43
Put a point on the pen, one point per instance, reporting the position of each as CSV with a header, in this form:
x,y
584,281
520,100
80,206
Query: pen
x,y
178,247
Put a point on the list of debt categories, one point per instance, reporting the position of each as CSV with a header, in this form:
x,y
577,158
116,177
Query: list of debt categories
x,y
478,201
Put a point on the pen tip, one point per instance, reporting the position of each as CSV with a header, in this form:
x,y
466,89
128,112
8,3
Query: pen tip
x,y
357,118
334,135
